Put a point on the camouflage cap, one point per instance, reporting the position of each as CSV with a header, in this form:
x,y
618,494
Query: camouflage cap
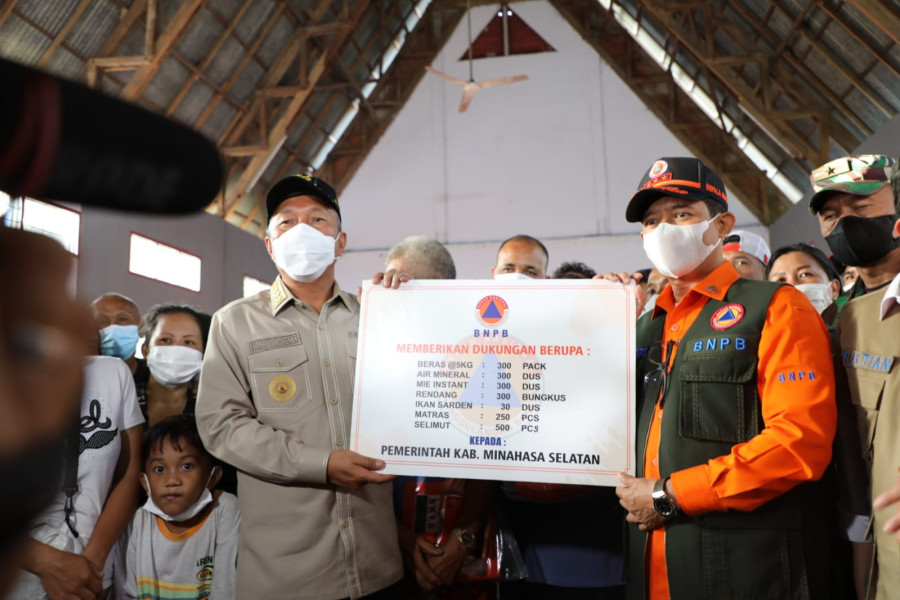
x,y
861,175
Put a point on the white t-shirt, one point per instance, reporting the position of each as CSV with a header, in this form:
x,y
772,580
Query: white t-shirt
x,y
108,407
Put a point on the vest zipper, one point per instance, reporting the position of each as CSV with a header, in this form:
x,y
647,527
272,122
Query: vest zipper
x,y
662,393
665,386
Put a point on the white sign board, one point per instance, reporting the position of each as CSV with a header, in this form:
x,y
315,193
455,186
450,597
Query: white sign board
x,y
515,381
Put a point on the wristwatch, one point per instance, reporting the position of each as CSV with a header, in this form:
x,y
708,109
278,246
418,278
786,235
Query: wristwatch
x,y
465,537
662,503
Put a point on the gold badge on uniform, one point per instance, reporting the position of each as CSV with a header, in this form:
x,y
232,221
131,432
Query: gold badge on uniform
x,y
282,388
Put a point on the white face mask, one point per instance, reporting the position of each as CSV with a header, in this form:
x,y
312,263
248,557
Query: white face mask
x,y
819,294
174,365
189,513
512,277
676,250
848,286
304,252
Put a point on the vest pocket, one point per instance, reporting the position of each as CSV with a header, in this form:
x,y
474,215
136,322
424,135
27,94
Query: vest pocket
x,y
280,379
744,563
719,399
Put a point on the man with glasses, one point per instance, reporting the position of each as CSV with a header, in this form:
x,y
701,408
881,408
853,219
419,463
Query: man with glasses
x,y
736,413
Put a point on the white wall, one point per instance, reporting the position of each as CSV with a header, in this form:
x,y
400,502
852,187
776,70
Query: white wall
x,y
556,157
227,254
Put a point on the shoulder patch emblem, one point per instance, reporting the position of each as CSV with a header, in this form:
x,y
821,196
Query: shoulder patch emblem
x,y
726,317
282,388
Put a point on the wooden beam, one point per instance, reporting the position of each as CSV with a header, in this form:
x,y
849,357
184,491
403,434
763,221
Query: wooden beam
x,y
111,63
736,85
115,39
737,61
283,91
840,134
841,66
59,37
881,16
243,150
150,29
311,31
273,76
797,113
278,130
204,64
6,9
852,76
317,119
880,54
696,130
170,35
394,87
120,63
239,69
795,25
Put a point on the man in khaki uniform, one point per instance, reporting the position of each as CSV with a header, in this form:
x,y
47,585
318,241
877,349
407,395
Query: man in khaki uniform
x,y
275,401
857,204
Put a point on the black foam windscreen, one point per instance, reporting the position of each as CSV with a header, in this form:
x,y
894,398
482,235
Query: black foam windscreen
x,y
62,141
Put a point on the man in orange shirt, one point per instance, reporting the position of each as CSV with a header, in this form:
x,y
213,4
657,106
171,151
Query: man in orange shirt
x,y
737,414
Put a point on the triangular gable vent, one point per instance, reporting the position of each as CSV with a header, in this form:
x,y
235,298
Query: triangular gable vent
x,y
519,37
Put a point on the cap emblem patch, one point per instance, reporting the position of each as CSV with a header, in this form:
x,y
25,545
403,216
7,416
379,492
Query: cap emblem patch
x,y
658,168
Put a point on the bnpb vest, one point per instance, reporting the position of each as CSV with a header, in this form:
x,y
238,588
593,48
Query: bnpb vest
x,y
711,402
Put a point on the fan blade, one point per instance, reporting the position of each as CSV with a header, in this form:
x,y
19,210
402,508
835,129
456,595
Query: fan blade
x,y
504,81
468,93
445,76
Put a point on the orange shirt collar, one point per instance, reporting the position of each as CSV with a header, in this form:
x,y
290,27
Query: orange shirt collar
x,y
714,285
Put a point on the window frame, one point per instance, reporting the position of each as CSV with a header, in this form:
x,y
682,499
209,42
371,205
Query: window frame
x,y
167,245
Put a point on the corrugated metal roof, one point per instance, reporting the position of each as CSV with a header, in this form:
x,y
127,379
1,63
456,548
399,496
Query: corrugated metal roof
x,y
93,28
763,24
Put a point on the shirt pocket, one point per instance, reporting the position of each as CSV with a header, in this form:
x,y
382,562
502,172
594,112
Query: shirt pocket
x,y
719,400
866,392
281,379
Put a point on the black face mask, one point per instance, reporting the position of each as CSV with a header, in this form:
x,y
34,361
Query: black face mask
x,y
858,241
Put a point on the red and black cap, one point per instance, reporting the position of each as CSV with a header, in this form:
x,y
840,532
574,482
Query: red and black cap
x,y
681,177
300,185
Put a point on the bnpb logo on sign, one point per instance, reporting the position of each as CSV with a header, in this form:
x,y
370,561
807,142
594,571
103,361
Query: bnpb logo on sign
x,y
491,311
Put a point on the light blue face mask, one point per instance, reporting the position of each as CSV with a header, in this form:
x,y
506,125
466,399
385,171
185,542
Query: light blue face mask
x,y
119,341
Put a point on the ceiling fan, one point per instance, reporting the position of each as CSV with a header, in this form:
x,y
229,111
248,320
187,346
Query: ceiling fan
x,y
471,86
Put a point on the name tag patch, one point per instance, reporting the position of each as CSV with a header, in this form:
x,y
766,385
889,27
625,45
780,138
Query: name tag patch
x,y
718,344
869,362
271,343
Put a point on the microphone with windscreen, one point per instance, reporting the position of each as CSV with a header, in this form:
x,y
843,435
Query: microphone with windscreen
x,y
62,141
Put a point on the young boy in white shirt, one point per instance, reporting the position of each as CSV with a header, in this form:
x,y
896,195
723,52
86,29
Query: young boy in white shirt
x,y
184,539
